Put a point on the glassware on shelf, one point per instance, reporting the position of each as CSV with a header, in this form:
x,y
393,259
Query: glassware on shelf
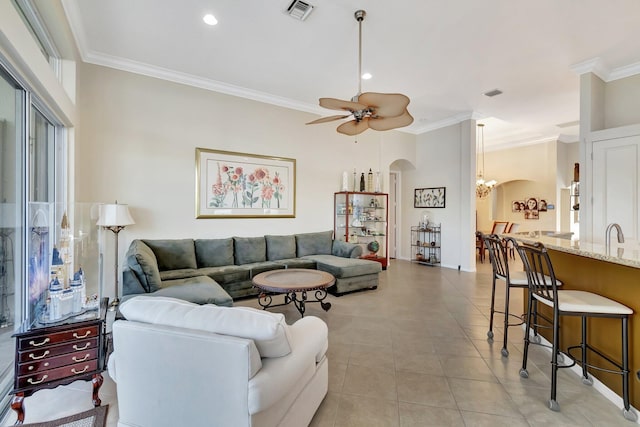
x,y
378,183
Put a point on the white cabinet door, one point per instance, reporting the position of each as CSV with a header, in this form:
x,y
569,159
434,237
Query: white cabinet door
x,y
616,183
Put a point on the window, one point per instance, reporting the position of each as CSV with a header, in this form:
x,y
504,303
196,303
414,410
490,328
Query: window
x,y
12,142
32,169
35,24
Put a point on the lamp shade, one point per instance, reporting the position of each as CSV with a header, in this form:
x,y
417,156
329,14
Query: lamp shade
x,y
115,215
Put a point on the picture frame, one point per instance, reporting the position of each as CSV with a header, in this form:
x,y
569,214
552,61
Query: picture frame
x,y
242,185
517,206
434,197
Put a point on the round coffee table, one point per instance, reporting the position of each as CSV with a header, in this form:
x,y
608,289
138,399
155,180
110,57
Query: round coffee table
x,y
294,283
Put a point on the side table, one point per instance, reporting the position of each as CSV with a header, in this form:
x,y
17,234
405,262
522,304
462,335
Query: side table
x,y
59,354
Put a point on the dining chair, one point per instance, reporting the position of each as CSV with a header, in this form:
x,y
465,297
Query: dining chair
x,y
480,245
499,227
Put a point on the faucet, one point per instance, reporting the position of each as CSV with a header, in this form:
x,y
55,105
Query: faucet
x,y
608,235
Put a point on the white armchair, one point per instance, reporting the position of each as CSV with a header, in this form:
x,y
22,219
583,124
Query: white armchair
x,y
177,363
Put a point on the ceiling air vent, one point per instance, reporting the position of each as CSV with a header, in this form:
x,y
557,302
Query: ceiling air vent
x,y
493,93
299,10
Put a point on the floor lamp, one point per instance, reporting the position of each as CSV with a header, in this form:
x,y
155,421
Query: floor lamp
x,y
115,217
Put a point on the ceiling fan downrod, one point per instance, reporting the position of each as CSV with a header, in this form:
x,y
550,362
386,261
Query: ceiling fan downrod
x,y
359,15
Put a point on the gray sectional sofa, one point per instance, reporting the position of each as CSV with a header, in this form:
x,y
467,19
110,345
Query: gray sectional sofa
x,y
216,271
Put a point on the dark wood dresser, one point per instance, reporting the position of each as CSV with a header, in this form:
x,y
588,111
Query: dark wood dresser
x,y
59,354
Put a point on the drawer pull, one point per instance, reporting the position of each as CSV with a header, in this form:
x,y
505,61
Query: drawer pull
x,y
78,359
86,334
31,381
86,346
86,367
45,354
45,364
33,343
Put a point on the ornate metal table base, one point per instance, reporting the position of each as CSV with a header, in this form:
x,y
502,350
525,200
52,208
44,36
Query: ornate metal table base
x,y
299,299
295,284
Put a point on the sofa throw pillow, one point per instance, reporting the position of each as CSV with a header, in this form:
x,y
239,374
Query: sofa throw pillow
x,y
346,249
280,247
214,252
141,259
269,331
173,254
249,249
314,243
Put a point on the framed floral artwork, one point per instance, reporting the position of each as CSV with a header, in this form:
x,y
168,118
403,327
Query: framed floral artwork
x,y
240,185
429,197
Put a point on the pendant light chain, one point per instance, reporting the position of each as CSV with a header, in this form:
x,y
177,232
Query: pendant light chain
x,y
482,141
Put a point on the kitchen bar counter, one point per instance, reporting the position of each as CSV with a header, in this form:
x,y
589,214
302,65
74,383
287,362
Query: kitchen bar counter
x,y
624,254
616,275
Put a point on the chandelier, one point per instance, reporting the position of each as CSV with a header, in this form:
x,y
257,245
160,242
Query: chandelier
x,y
483,188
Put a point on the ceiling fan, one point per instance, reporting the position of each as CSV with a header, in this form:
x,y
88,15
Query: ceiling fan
x,y
378,111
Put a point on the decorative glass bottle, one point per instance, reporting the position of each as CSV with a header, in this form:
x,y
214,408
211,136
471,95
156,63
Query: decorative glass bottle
x,y
378,183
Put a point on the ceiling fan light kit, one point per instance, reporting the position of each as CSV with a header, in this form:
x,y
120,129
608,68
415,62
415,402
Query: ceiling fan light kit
x,y
370,110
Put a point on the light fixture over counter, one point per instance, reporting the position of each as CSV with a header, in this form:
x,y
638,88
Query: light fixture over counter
x,y
483,188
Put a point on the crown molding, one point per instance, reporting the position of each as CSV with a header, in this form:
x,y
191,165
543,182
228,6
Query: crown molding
x,y
606,74
520,143
72,12
196,81
97,58
449,121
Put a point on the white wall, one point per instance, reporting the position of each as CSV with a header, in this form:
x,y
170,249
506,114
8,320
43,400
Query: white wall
x,y
444,158
528,171
622,102
137,145
608,111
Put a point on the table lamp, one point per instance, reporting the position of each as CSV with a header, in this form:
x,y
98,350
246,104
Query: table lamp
x,y
115,217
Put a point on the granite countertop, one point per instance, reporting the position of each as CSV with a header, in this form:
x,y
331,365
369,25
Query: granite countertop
x,y
621,253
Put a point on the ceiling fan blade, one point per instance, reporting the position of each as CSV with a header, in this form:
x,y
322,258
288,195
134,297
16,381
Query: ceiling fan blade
x,y
385,104
339,104
388,123
354,127
328,119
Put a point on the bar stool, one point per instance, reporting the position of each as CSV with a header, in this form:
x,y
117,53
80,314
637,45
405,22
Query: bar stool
x,y
544,289
513,228
517,279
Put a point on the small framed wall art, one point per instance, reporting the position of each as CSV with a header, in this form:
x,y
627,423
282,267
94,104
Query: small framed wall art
x,y
429,197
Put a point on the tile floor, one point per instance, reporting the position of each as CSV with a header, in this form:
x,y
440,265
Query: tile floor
x,y
412,353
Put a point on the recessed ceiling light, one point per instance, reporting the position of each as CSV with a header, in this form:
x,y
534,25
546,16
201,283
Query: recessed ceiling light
x,y
366,76
209,19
